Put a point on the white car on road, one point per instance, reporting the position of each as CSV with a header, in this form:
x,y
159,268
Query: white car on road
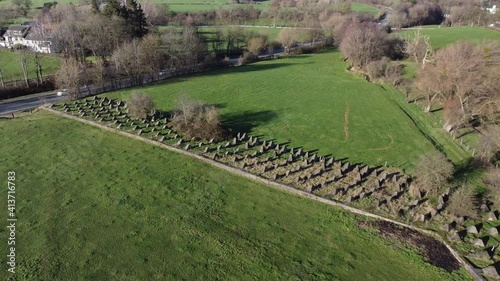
x,y
61,93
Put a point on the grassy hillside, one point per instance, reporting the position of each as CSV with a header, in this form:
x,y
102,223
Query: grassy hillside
x,y
304,100
442,36
11,66
92,205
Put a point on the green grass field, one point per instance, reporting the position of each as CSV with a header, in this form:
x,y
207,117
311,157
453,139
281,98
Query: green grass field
x,y
271,33
11,66
205,7
195,6
92,205
303,100
442,36
364,8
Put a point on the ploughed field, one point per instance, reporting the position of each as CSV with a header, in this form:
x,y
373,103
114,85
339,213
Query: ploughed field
x,y
95,205
314,102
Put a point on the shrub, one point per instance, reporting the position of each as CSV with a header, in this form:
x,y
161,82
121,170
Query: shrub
x,y
463,202
432,172
492,181
311,49
140,105
256,45
393,74
376,69
247,58
198,120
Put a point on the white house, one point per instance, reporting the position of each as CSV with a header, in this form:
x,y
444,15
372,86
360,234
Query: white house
x,y
38,42
36,39
15,35
492,10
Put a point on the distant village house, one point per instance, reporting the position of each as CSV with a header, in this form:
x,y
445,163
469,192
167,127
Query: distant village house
x,y
32,36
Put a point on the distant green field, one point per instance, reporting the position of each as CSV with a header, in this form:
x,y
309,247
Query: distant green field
x,y
93,205
442,36
271,33
194,6
11,66
364,8
304,100
205,7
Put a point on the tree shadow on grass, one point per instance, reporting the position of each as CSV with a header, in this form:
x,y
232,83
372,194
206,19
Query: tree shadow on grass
x,y
244,122
252,68
466,169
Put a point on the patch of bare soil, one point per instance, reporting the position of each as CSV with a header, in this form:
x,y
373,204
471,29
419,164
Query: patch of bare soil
x,y
433,251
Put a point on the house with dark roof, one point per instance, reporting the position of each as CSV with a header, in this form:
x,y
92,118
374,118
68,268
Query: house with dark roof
x,y
15,35
35,38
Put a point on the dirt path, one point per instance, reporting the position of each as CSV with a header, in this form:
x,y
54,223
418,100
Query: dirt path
x,y
346,122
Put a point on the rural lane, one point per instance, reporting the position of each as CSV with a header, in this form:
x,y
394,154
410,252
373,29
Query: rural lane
x,y
30,102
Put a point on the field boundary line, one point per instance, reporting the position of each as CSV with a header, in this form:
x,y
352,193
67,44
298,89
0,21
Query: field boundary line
x,y
274,184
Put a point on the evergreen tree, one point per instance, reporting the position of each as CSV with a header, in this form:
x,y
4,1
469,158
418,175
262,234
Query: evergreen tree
x,y
132,13
113,8
136,18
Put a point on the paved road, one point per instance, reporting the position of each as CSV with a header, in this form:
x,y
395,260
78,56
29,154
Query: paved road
x,y
28,103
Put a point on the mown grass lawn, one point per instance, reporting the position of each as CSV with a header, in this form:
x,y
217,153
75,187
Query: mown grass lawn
x,y
303,100
442,36
11,66
92,205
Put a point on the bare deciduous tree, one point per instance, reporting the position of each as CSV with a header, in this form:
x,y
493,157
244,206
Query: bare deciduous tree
x,y
490,143
139,57
432,172
23,59
37,58
97,73
1,74
126,59
101,34
140,105
287,38
151,56
70,76
461,73
233,37
363,43
68,36
418,47
194,49
256,44
156,14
